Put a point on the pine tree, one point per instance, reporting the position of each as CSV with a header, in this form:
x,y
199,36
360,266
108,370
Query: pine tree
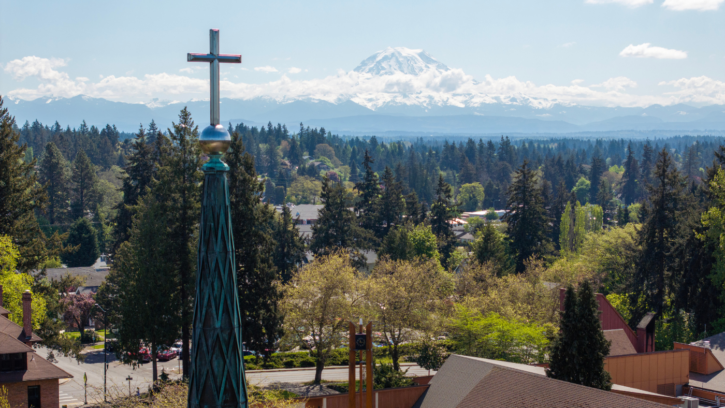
x,y
630,178
20,196
290,249
139,175
646,166
146,292
178,191
82,236
578,351
254,247
84,195
54,177
490,246
368,202
557,212
391,203
335,229
415,211
526,217
605,197
663,215
595,174
441,214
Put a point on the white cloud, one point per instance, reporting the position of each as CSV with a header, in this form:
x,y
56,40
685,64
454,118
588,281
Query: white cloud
x,y
567,45
294,70
646,50
268,69
628,3
699,5
616,84
430,88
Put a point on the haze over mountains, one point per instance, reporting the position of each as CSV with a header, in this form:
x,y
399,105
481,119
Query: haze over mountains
x,y
395,91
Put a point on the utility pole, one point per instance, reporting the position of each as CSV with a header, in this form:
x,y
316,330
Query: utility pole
x,y
129,385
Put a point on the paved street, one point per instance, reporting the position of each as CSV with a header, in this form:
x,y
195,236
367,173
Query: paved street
x,y
71,391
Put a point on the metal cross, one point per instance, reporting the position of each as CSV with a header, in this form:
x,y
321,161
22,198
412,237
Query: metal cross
x,y
214,58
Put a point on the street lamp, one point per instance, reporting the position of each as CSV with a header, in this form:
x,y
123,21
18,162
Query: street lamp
x,y
105,350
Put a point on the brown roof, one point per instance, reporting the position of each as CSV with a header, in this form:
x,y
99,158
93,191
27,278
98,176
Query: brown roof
x,y
11,328
716,380
38,369
4,311
9,345
621,345
465,379
505,388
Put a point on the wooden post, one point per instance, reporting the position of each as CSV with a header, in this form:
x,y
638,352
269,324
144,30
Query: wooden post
x,y
351,374
369,365
362,403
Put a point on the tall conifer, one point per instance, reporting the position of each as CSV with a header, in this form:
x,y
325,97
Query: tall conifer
x,y
441,214
54,177
84,195
254,247
526,217
290,249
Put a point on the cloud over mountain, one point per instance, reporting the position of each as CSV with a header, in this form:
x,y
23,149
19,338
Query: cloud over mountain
x,y
391,77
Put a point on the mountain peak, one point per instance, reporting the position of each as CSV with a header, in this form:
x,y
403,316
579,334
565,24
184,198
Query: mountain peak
x,y
398,60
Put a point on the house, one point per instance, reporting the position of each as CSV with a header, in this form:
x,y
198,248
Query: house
x,y
29,379
93,277
468,382
308,214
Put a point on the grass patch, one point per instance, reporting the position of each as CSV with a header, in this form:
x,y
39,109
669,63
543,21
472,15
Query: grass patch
x,y
73,335
98,346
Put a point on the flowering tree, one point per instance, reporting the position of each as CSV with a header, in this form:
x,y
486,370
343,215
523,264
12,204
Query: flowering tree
x,y
78,309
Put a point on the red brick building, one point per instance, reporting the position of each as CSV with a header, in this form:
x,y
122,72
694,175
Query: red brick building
x,y
31,380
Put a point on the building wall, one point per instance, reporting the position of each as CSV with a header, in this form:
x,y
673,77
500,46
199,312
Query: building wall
x,y
18,393
388,398
660,372
702,361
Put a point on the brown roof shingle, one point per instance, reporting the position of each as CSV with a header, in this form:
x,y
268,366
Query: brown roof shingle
x,y
621,345
9,345
11,328
505,388
38,369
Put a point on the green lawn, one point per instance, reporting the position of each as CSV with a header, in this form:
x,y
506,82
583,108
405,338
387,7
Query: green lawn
x,y
73,335
98,346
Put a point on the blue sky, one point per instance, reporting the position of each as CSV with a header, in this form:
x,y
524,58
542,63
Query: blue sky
x,y
76,44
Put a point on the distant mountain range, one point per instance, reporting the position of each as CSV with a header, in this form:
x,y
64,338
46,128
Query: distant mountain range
x,y
405,109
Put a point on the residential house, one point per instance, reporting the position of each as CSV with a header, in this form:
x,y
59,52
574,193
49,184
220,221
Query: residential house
x,y
31,380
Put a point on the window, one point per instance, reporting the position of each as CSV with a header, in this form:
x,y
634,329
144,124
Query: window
x,y
13,362
34,396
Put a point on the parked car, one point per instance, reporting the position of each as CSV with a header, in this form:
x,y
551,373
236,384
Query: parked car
x,y
143,355
167,354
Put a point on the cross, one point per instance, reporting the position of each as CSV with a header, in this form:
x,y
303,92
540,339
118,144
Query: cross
x,y
214,58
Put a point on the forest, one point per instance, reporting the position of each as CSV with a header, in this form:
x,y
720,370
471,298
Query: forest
x,y
641,221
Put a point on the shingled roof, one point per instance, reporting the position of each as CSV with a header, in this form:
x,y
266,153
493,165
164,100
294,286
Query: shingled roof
x,y
467,382
621,345
11,328
38,369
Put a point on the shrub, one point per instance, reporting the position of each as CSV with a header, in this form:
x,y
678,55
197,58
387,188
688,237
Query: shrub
x,y
385,376
290,363
307,362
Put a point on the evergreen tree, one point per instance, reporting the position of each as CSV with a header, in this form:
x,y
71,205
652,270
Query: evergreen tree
x,y
415,211
335,229
605,197
139,174
646,166
54,177
557,212
599,166
178,192
490,246
664,223
84,195
295,152
441,214
391,203
526,217
146,296
579,350
20,196
290,249
630,178
368,202
82,236
254,248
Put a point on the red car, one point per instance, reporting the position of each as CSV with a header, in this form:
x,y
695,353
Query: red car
x,y
166,355
143,356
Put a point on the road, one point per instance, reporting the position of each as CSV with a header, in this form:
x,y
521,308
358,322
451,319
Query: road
x,y
72,391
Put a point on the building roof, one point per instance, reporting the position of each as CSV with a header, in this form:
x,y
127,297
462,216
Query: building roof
x,y
3,311
93,277
38,369
716,380
475,382
305,211
12,329
9,345
620,342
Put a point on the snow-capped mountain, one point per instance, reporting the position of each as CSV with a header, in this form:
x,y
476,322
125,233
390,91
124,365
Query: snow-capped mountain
x,y
394,90
397,60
